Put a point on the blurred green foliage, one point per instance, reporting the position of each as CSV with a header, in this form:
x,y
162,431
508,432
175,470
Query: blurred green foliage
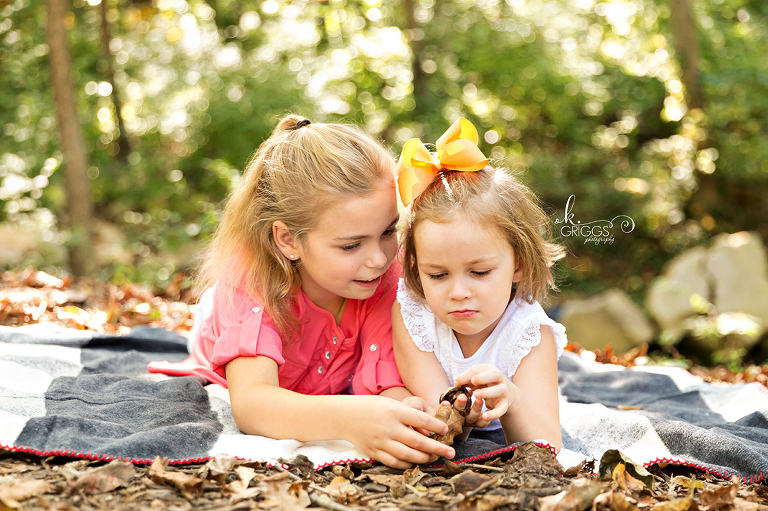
x,y
582,98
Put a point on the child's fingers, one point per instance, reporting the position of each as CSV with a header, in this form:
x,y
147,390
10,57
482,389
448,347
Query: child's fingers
x,y
420,420
489,377
418,448
465,378
492,392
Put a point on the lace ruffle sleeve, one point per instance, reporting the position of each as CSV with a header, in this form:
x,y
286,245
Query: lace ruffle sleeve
x,y
416,318
529,336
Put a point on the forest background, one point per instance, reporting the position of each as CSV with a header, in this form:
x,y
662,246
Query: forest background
x,y
653,112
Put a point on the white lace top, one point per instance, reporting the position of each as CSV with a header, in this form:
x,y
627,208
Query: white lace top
x,y
517,332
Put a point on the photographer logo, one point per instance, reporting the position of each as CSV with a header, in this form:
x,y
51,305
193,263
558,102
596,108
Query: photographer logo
x,y
597,231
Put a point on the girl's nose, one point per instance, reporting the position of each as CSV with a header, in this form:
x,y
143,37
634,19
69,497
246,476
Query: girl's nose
x,y
459,290
378,259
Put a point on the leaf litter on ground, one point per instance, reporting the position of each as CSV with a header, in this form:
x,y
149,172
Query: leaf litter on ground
x,y
529,478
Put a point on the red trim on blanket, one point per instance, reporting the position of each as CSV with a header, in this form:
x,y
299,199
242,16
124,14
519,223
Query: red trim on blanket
x,y
138,461
762,388
100,457
714,471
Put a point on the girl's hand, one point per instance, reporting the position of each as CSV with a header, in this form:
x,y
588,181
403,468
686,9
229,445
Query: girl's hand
x,y
488,384
418,403
388,431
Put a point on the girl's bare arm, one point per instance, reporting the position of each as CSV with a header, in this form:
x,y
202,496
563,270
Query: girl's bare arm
x,y
422,374
379,427
535,412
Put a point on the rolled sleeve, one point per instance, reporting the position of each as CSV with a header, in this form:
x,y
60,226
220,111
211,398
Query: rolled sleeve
x,y
243,332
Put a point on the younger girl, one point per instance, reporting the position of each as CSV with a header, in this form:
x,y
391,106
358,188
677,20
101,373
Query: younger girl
x,y
467,312
303,297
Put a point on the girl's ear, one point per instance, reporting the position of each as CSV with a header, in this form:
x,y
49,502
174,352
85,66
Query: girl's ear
x,y
518,275
285,241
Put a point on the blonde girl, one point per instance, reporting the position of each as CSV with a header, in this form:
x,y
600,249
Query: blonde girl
x,y
476,264
301,312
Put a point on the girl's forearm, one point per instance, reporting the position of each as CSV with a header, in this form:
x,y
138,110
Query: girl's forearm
x,y
524,421
273,412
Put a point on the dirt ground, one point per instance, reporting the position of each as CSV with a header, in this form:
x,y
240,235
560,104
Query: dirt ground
x,y
530,478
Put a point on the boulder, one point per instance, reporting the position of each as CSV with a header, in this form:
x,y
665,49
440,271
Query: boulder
x,y
608,319
669,297
716,296
738,269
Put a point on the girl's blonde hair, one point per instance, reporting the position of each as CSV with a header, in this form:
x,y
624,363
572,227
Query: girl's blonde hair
x,y
492,198
299,171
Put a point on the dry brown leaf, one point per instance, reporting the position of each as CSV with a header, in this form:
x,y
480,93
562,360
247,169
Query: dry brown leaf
x,y
12,490
388,480
343,471
450,415
183,482
721,497
614,501
343,490
469,481
623,480
115,474
531,458
579,496
683,504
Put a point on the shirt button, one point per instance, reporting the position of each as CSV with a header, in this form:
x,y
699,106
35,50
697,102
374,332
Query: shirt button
x,y
256,309
335,340
327,355
320,369
374,347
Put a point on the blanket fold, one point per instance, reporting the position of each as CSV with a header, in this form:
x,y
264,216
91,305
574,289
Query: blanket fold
x,y
83,394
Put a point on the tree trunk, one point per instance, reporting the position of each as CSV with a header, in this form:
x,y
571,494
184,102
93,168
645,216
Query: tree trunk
x,y
420,84
123,142
79,207
687,46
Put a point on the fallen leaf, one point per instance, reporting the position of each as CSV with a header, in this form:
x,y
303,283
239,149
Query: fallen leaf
x,y
115,474
343,490
683,504
343,471
450,415
624,481
530,457
721,497
613,457
469,481
12,491
184,482
390,481
577,497
614,501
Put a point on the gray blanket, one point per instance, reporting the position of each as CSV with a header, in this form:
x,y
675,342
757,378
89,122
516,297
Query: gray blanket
x,y
81,394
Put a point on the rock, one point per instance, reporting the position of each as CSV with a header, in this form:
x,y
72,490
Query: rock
x,y
669,297
717,296
738,268
610,318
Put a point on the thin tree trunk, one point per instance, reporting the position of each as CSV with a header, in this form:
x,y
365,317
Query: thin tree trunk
x,y
687,46
420,85
79,208
123,142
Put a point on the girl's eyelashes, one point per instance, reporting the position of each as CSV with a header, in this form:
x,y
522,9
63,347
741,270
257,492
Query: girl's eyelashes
x,y
481,273
385,234
436,276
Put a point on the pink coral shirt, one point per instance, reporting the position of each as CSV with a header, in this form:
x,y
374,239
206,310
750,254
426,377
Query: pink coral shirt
x,y
326,359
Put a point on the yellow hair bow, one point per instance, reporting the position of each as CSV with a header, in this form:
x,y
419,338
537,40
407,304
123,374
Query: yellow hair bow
x,y
456,150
